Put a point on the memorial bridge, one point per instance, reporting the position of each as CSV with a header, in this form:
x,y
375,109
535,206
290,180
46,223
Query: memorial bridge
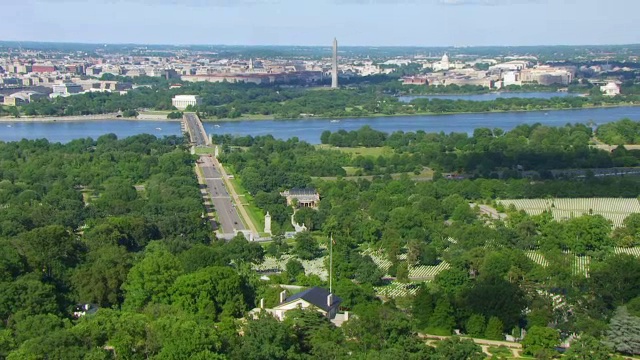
x,y
231,216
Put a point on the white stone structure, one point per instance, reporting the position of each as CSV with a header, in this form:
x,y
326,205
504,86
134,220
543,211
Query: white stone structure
x,y
181,102
511,78
611,89
443,64
334,65
267,223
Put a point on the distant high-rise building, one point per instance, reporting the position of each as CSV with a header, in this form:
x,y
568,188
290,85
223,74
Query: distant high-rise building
x,y
334,65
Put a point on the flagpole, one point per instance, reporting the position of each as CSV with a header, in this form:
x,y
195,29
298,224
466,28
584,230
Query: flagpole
x,y
331,265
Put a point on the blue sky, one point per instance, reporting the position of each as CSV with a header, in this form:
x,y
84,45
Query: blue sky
x,y
316,22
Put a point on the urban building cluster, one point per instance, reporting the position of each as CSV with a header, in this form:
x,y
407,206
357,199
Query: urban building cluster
x,y
28,75
33,74
496,74
518,72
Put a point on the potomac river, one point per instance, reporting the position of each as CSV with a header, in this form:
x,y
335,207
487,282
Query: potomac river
x,y
310,129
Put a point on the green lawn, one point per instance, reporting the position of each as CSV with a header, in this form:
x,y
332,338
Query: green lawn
x,y
425,174
156,112
384,151
243,117
351,170
256,215
205,150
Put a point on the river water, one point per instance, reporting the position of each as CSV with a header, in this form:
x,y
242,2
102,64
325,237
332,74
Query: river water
x,y
491,96
310,129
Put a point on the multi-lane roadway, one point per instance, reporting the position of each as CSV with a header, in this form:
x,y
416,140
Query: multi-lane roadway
x,y
198,138
228,219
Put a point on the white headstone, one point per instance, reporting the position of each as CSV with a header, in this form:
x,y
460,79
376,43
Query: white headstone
x,y
267,223
216,152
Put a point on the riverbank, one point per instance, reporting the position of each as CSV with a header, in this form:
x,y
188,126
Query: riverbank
x,y
249,118
98,117
143,117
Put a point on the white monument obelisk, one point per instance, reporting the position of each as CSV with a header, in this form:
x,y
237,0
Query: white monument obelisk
x,y
334,65
267,223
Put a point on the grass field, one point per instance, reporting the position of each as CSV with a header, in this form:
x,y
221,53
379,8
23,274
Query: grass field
x,y
243,118
614,209
383,151
425,174
155,112
205,150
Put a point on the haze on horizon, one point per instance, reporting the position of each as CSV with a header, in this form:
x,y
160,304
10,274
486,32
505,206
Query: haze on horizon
x,y
316,22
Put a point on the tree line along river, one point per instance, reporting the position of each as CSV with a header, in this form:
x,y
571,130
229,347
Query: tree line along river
x,y
310,129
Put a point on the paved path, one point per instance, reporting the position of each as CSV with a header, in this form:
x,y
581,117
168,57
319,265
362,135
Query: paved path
x,y
515,348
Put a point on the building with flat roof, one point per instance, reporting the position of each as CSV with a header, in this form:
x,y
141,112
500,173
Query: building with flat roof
x,y
302,197
181,102
22,97
66,89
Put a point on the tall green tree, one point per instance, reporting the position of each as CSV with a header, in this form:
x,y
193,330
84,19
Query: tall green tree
x,y
476,325
443,320
458,349
266,338
624,332
540,341
616,280
100,279
49,250
240,250
588,348
209,293
306,247
494,329
150,279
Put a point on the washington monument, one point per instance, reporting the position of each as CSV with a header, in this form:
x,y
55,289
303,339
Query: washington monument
x,y
334,65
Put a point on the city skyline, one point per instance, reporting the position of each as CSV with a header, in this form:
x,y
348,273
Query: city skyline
x,y
355,22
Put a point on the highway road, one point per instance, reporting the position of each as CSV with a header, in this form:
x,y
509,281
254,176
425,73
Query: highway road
x,y
228,217
198,137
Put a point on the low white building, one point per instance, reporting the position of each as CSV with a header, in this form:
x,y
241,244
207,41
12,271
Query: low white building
x,y
181,102
318,299
511,78
611,89
66,89
515,65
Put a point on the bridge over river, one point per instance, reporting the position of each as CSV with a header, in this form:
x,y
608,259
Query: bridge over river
x,y
230,216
